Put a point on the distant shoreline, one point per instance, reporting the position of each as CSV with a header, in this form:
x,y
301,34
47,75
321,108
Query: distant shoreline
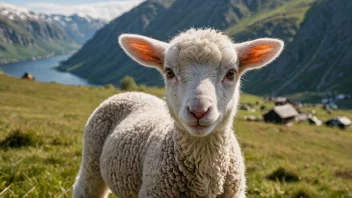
x,y
34,58
44,70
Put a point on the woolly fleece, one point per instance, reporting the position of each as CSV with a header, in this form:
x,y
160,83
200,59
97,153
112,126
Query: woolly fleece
x,y
132,146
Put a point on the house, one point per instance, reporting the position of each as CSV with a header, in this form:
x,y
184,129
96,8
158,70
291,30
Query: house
x,y
281,114
28,76
302,117
314,121
340,97
246,107
252,118
342,122
325,100
308,117
280,101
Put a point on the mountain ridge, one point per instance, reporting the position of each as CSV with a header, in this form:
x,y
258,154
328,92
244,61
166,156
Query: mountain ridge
x,y
300,68
102,61
317,60
27,35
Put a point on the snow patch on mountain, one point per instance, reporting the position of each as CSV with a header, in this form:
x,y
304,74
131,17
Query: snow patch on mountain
x,y
13,12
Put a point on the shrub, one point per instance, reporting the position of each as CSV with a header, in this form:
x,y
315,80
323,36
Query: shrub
x,y
142,88
109,86
19,138
128,84
283,175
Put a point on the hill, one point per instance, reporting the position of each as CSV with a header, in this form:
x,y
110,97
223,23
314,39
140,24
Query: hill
x,y
27,35
317,60
41,127
316,33
102,61
79,27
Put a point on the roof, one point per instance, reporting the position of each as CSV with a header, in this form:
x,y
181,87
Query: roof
x,y
303,116
315,120
344,120
280,99
285,111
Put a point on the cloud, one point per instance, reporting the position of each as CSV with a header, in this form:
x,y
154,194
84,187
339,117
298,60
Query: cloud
x,y
102,10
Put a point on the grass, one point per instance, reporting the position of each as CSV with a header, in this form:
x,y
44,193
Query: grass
x,y
288,10
41,130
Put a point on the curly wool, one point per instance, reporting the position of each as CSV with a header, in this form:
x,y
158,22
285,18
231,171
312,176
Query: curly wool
x,y
202,46
136,148
132,146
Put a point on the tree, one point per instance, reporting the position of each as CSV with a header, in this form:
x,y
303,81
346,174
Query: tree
x,y
128,84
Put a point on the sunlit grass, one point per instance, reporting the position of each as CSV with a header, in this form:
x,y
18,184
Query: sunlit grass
x,y
45,122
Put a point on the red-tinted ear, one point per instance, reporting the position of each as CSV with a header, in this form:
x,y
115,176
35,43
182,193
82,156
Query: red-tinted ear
x,y
144,50
258,53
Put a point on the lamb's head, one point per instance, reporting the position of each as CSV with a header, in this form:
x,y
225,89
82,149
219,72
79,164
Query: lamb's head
x,y
202,70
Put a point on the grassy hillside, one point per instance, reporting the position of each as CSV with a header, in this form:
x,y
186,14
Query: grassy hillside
x,y
317,48
282,22
41,130
24,39
41,49
102,61
26,35
317,39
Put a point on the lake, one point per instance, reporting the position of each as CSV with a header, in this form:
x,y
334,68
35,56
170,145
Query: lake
x,y
43,71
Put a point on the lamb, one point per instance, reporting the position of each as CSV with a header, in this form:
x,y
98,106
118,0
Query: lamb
x,y
141,146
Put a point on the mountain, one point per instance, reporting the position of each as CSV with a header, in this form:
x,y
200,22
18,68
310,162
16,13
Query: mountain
x,y
25,34
102,61
317,60
78,26
316,33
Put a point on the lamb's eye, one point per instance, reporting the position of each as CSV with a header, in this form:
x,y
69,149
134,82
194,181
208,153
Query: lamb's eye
x,y
169,73
231,74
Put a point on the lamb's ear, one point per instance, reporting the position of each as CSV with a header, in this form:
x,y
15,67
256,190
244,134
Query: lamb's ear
x,y
258,53
146,51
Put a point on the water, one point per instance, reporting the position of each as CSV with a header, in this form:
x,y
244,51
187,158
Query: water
x,y
43,71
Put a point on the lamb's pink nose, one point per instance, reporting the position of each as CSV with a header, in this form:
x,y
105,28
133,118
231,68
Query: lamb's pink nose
x,y
198,113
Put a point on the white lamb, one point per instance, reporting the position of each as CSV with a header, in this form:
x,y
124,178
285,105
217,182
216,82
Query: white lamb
x,y
141,146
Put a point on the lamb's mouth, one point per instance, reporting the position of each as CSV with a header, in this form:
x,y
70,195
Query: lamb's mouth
x,y
198,126
200,130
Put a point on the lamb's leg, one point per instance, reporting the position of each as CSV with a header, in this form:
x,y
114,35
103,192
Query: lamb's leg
x,y
89,182
231,191
111,112
235,184
104,119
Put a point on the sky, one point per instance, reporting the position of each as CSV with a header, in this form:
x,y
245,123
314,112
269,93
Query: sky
x,y
103,9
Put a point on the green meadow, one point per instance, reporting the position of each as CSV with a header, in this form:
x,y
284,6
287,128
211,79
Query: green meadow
x,y
41,130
